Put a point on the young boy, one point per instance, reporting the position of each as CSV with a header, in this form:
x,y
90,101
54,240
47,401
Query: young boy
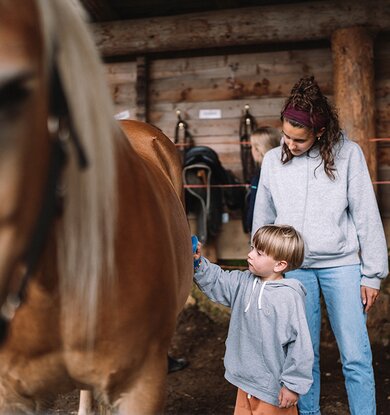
x,y
269,355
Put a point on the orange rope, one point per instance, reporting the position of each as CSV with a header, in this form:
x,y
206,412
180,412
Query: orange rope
x,y
248,143
221,142
201,186
194,186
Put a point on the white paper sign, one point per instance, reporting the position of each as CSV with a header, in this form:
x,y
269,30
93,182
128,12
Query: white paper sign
x,y
210,114
124,115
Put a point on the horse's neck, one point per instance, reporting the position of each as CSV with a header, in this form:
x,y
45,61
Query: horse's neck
x,y
47,270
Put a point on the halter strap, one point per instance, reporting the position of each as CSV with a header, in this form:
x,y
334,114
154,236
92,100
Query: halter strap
x,y
61,131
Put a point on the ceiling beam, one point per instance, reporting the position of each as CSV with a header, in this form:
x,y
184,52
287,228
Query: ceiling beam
x,y
235,27
99,10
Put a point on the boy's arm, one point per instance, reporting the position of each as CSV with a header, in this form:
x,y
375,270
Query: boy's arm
x,y
219,285
298,366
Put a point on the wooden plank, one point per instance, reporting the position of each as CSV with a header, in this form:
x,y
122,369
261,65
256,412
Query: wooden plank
x,y
298,61
123,94
218,131
122,72
229,108
246,26
141,88
193,90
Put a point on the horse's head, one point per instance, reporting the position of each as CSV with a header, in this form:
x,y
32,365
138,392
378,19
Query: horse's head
x,y
24,137
52,90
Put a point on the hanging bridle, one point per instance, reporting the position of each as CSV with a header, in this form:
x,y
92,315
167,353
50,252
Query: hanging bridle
x,y
247,125
61,131
183,137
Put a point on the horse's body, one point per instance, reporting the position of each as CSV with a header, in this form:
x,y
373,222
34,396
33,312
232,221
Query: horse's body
x,y
116,266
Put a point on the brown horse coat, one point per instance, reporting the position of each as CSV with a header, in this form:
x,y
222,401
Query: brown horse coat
x,y
125,361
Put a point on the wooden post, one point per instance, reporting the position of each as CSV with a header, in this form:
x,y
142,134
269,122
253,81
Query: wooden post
x,y
142,89
354,94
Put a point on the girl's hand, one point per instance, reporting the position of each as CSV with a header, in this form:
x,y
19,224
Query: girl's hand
x,y
287,398
369,296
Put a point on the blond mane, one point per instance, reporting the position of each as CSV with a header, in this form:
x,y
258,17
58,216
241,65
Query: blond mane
x,y
86,234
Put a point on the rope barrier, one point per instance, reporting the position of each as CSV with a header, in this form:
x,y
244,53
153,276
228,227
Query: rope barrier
x,y
249,143
200,186
246,185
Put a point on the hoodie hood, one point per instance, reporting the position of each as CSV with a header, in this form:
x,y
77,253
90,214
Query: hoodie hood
x,y
272,285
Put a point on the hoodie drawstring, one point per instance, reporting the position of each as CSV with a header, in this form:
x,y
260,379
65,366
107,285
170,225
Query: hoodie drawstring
x,y
250,298
261,294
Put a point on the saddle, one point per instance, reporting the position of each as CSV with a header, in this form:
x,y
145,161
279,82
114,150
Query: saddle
x,y
203,168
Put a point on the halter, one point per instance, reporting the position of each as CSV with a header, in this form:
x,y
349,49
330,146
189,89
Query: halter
x,y
61,131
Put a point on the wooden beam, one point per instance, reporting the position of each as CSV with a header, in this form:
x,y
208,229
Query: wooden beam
x,y
354,91
244,26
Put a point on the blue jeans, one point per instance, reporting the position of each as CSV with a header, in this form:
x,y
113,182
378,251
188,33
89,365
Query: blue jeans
x,y
340,287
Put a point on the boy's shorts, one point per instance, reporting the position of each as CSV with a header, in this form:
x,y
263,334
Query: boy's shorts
x,y
254,406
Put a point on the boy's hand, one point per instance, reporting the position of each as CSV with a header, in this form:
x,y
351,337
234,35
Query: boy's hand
x,y
198,252
287,398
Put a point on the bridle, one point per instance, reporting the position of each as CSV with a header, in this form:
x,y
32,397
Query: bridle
x,y
61,131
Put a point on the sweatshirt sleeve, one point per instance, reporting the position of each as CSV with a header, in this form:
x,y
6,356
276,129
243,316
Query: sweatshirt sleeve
x,y
366,217
220,286
264,211
298,366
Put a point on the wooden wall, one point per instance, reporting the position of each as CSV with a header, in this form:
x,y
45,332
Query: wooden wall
x,y
227,82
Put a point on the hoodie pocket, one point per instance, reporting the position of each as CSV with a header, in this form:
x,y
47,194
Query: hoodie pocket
x,y
244,359
325,238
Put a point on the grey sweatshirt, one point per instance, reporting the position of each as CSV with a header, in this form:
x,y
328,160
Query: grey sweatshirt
x,y
268,343
338,219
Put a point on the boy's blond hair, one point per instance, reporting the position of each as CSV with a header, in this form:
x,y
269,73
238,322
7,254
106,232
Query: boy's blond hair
x,y
262,140
281,242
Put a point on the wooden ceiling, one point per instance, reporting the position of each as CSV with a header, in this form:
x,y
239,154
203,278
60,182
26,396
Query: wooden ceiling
x,y
109,10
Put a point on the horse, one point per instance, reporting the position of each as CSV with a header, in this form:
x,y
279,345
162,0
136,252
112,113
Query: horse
x,y
95,247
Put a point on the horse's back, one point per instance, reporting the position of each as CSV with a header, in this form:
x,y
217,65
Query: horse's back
x,y
153,145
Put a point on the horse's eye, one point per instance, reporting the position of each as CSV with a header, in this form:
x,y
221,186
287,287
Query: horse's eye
x,y
11,97
13,93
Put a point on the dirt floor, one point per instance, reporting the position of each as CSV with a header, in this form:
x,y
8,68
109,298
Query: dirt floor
x,y
201,388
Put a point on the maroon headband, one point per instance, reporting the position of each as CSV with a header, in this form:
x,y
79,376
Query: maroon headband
x,y
303,117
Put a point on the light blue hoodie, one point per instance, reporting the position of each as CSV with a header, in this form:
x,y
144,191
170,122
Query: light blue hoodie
x,y
339,219
268,343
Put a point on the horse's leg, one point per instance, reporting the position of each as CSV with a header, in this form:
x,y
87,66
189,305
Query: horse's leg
x,y
86,403
147,394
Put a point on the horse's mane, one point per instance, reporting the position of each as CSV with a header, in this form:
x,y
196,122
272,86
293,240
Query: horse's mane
x,y
86,233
